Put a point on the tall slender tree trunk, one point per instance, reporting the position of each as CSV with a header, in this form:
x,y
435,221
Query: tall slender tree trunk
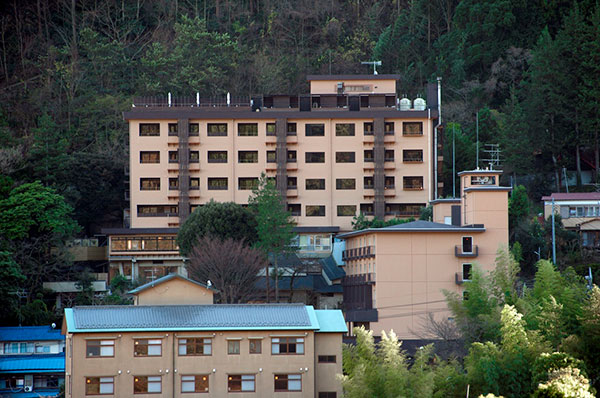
x,y
268,283
578,161
596,155
276,280
556,173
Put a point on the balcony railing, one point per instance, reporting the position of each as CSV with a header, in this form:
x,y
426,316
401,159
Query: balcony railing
x,y
459,252
358,253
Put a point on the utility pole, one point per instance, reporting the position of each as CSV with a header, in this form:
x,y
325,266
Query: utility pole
x,y
553,236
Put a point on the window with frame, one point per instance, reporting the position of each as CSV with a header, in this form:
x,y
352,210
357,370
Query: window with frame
x,y
194,183
216,129
157,210
194,157
294,209
18,348
247,129
196,346
368,182
327,394
271,129
315,211
150,157
291,156
413,183
247,183
233,347
466,272
291,129
345,183
388,128
346,210
44,381
327,359
99,385
194,383
467,244
292,183
367,209
147,347
368,155
173,128
315,130
412,128
287,345
217,184
271,156
194,129
344,129
217,156
247,156
173,183
314,157
368,128
100,348
288,382
147,384
345,157
412,155
255,345
173,156
389,155
149,129
315,183
241,383
390,182
150,184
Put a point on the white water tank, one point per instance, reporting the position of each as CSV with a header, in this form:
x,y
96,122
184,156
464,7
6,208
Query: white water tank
x,y
420,104
405,104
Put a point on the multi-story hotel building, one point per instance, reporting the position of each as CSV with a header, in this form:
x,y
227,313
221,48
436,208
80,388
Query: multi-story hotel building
x,y
349,146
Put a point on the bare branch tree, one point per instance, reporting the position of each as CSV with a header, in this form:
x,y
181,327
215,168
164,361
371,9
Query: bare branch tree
x,y
230,265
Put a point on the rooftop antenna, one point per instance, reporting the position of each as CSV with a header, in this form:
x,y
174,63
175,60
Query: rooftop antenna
x,y
374,63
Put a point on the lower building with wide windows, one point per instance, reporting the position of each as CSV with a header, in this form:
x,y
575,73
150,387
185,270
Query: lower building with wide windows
x,y
250,350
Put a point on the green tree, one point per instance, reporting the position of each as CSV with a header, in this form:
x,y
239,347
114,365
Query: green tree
x,y
10,278
274,224
518,208
590,335
220,220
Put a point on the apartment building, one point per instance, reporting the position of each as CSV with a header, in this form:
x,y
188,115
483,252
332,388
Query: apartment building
x,y
349,146
395,276
32,361
286,350
580,212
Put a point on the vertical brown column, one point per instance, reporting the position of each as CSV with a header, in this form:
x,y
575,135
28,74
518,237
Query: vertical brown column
x,y
183,127
379,175
281,157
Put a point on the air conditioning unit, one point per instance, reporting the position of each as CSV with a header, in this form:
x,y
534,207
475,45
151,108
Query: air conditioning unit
x,y
28,389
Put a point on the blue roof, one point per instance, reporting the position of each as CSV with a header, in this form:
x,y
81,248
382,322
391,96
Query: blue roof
x,y
40,363
332,269
191,317
165,279
46,392
30,333
331,321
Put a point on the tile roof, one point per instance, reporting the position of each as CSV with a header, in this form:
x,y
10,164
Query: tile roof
x,y
332,269
165,279
331,321
41,363
30,333
418,226
573,196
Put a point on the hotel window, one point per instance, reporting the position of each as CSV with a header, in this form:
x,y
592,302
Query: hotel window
x,y
271,156
287,345
147,348
367,209
241,383
149,130
173,157
195,346
194,183
368,128
217,156
149,157
315,157
346,210
327,394
271,129
194,157
388,128
216,129
345,183
315,211
390,182
413,183
368,154
99,385
147,384
467,244
255,346
294,209
217,184
291,129
247,183
173,129
195,383
345,157
344,130
247,129
233,347
292,183
291,156
315,130
156,210
315,183
285,382
194,130
173,183
412,155
412,128
150,184
247,156
466,272
326,358
368,182
389,155
100,348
